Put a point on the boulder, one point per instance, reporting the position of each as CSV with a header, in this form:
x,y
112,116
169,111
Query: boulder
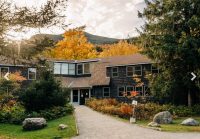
x,y
190,122
62,126
154,124
34,123
164,117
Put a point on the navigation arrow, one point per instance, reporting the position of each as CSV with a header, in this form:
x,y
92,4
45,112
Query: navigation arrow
x,y
6,76
194,76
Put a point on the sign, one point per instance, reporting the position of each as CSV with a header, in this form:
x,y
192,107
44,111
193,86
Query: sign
x,y
6,76
134,102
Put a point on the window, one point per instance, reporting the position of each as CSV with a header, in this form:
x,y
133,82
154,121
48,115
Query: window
x,y
106,91
129,89
115,72
138,89
86,68
154,69
80,69
138,70
3,71
146,91
71,69
64,68
121,91
57,68
31,73
129,71
146,69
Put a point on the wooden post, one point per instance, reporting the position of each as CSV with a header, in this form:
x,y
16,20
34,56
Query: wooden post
x,y
189,99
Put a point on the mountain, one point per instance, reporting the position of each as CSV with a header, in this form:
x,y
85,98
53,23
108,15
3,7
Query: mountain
x,y
94,39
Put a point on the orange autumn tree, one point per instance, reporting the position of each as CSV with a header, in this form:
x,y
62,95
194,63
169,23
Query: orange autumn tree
x,y
74,46
121,48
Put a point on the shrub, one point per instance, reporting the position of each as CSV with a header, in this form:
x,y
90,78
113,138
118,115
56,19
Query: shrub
x,y
142,111
44,94
53,112
12,113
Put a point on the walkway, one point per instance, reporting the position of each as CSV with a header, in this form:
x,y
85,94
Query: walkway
x,y
94,125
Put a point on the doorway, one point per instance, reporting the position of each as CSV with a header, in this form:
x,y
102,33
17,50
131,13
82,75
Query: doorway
x,y
84,93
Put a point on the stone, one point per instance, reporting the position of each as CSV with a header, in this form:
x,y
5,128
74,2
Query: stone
x,y
164,117
34,123
190,122
153,124
62,126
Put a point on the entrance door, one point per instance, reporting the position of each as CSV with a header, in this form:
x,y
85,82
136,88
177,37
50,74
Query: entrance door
x,y
75,95
84,93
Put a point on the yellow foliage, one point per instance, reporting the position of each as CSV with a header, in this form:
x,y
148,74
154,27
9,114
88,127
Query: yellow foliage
x,y
121,48
74,46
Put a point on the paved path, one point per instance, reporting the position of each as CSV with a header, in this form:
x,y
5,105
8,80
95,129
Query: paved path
x,y
94,125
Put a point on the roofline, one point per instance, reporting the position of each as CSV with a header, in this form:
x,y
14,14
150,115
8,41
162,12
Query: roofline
x,y
129,64
10,65
76,61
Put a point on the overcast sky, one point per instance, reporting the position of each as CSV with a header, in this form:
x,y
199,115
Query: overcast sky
x,y
110,18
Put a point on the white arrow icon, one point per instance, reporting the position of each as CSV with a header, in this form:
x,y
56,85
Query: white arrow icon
x,y
194,76
6,76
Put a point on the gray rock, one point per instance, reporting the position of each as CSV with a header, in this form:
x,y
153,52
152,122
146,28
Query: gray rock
x,y
164,117
153,124
190,122
34,123
62,126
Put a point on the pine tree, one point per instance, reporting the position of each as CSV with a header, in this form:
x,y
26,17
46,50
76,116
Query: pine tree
x,y
171,37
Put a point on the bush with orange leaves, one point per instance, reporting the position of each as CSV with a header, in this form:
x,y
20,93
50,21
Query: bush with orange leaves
x,y
111,106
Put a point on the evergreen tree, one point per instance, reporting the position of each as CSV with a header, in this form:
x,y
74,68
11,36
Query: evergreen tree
x,y
171,37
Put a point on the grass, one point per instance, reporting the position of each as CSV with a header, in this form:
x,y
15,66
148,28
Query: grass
x,y
8,131
175,126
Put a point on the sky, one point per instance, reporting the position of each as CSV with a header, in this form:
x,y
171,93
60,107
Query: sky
x,y
109,18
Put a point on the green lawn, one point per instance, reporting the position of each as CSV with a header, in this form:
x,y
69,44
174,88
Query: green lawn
x,y
175,127
49,132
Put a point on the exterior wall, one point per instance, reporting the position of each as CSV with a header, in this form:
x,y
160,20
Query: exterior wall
x,y
97,91
123,80
23,70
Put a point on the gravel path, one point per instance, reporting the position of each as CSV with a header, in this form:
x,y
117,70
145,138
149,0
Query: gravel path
x,y
94,125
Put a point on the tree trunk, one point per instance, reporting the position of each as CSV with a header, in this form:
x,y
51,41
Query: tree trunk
x,y
189,99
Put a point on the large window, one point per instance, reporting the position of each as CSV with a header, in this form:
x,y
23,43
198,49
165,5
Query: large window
x,y
3,71
138,70
115,72
57,68
121,91
86,68
154,69
106,91
64,68
146,91
133,70
71,69
129,89
32,73
83,68
139,90
80,69
129,71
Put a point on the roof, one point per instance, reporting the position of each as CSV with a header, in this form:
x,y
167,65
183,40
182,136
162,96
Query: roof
x,y
98,70
127,60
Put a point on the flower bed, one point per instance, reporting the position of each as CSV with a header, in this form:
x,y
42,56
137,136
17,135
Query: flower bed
x,y
142,111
